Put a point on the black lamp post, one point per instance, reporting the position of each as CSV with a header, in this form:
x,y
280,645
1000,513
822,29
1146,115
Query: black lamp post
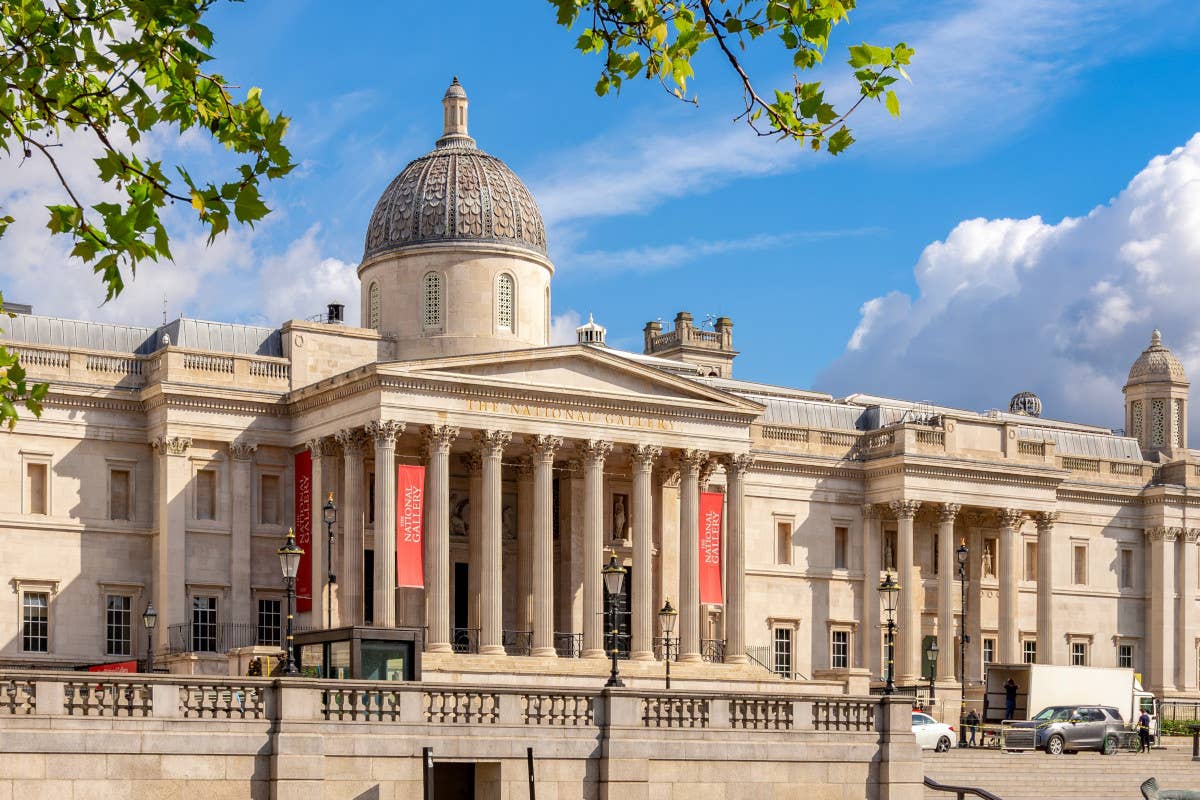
x,y
330,514
614,581
962,553
931,655
289,563
667,617
890,589
149,620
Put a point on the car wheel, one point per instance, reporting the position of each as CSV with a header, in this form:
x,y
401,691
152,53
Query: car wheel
x,y
1110,745
943,745
1054,745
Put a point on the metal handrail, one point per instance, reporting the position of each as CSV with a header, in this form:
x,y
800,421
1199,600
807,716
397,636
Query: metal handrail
x,y
961,791
464,640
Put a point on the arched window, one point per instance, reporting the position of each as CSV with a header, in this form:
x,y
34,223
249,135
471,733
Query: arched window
x,y
505,289
373,306
433,301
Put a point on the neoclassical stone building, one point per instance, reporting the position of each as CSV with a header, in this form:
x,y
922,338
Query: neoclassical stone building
x,y
164,470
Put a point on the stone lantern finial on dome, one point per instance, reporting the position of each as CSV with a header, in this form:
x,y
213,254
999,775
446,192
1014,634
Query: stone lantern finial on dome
x,y
454,117
1155,338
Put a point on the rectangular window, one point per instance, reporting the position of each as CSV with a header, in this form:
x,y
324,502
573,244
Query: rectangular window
x,y
1125,656
989,651
1029,651
204,624
1126,568
269,622
1079,654
118,621
268,499
841,546
783,546
839,649
1079,564
1031,561
35,622
118,494
782,661
206,494
35,475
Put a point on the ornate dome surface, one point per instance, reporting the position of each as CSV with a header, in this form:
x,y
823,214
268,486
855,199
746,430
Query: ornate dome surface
x,y
455,193
1157,363
1026,403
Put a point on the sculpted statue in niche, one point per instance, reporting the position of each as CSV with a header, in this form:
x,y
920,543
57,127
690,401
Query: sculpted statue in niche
x,y
620,528
508,517
989,558
460,513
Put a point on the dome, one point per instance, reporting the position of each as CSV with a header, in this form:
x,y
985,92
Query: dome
x,y
1025,403
455,193
1156,363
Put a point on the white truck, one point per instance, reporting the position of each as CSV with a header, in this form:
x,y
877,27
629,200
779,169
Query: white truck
x,y
1042,685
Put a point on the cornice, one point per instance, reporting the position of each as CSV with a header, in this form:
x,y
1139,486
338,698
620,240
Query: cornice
x,y
965,474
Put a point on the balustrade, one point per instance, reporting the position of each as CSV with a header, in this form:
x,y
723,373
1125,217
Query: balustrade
x,y
361,704
212,701
675,712
462,707
108,698
18,697
833,714
762,713
570,710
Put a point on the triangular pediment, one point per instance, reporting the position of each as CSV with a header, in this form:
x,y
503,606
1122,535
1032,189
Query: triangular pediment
x,y
575,371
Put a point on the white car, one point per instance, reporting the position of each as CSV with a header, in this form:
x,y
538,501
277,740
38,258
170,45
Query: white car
x,y
931,734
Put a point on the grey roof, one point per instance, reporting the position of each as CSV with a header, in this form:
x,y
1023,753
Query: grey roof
x,y
807,413
743,387
665,364
1089,445
221,337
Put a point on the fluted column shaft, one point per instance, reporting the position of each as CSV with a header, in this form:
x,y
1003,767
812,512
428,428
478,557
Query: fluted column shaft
x,y
542,577
474,465
525,567
1010,634
1185,648
438,440
384,433
350,579
736,468
1047,618
908,633
491,599
948,571
690,465
594,453
870,643
642,511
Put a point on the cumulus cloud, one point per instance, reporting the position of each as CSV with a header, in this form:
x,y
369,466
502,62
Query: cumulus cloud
x,y
1063,309
562,327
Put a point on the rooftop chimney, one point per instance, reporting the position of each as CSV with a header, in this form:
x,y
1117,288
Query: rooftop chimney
x,y
335,313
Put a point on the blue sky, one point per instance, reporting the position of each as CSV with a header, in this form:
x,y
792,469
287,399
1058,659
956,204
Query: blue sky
x,y
1018,109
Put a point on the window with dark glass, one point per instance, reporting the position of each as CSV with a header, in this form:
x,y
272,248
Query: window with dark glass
x,y
204,624
783,652
35,622
269,621
839,649
118,621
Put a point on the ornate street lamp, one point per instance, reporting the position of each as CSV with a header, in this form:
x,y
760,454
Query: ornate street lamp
x,y
289,564
962,554
149,620
667,617
889,588
330,514
931,655
614,582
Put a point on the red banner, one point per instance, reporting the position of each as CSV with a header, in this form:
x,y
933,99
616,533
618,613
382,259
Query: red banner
x,y
711,504
117,666
410,526
304,520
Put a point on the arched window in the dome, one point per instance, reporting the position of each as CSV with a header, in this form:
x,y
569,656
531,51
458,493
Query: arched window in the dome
x,y
433,301
505,301
373,306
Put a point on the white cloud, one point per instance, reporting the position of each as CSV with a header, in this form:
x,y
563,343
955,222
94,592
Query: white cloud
x,y
562,327
300,282
1062,309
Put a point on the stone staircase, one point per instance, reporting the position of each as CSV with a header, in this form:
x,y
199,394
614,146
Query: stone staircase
x,y
1037,776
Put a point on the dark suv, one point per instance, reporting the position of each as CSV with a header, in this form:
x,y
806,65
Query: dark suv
x,y
1067,729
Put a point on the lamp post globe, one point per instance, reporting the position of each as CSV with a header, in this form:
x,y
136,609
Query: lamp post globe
x,y
889,588
614,582
667,617
289,565
149,622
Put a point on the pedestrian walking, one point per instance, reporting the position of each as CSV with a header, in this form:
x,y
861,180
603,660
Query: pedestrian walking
x,y
1143,729
1010,699
972,726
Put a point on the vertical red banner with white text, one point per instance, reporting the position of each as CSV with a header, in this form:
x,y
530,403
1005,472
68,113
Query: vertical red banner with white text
x,y
303,529
711,507
410,527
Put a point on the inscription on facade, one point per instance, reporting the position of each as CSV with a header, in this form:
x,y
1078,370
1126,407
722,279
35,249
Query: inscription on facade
x,y
569,415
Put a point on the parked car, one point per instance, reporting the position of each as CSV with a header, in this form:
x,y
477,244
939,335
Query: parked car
x,y
1068,729
931,734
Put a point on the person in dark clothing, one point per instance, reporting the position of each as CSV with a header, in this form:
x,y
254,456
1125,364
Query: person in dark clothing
x,y
1143,729
1010,698
972,726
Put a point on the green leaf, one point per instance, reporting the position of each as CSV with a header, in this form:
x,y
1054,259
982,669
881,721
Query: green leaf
x,y
893,103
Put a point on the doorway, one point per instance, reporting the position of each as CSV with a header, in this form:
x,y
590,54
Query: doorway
x,y
452,781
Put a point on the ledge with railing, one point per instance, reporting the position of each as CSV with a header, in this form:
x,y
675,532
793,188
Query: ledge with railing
x,y
221,637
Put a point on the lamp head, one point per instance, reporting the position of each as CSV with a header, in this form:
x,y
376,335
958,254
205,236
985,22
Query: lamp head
x,y
962,552
667,618
289,556
889,588
149,617
330,510
614,575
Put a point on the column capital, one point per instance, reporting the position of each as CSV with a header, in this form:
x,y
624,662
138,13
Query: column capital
x,y
1163,533
692,460
706,470
947,512
870,511
491,444
1045,521
543,447
1011,518
739,463
439,438
319,446
668,473
1190,534
525,468
644,455
384,431
171,445
242,450
352,441
904,509
595,451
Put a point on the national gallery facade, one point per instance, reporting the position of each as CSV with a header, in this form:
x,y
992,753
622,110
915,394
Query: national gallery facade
x,y
171,461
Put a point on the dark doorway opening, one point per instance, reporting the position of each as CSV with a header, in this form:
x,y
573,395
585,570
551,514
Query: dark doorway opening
x,y
453,781
369,586
461,588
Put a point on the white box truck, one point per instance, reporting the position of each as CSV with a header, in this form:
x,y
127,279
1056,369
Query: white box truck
x,y
1043,685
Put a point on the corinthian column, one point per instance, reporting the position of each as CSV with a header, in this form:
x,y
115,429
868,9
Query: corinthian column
x,y
491,599
474,465
350,580
542,579
908,646
438,439
1185,648
1010,634
869,643
322,589
594,453
1160,620
690,464
736,468
171,475
240,524
524,615
948,568
1047,635
643,565
384,433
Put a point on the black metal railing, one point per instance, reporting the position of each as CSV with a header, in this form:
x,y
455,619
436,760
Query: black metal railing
x,y
517,643
221,637
464,640
712,650
568,645
960,791
658,646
